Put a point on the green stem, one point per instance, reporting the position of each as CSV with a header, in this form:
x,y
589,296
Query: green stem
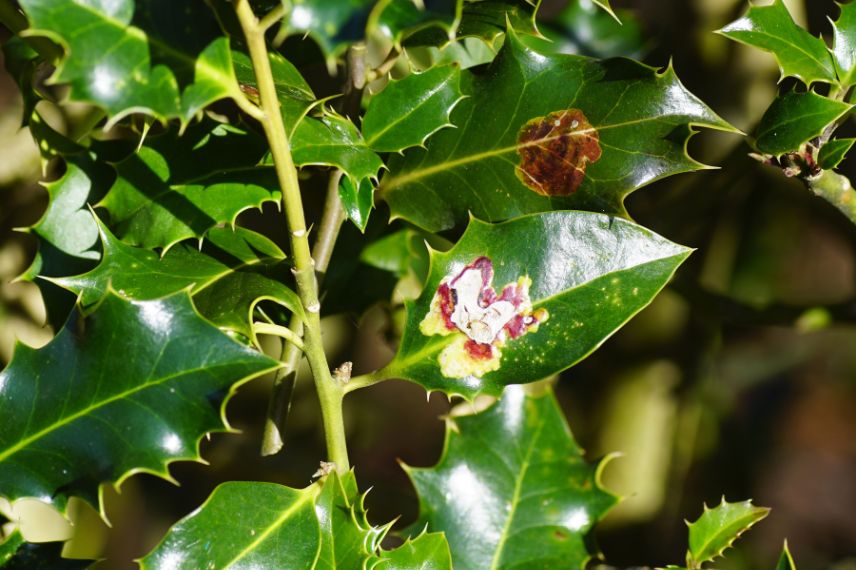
x,y
835,189
330,393
283,386
366,380
282,332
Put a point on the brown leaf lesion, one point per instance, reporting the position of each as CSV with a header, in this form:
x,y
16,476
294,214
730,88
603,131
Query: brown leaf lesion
x,y
555,151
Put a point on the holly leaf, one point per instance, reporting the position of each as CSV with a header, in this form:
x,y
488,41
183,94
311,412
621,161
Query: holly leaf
x,y
130,387
428,550
518,301
771,28
844,44
795,118
833,152
489,20
333,24
512,488
541,132
294,93
10,545
586,29
410,110
786,561
244,524
129,59
717,529
357,200
233,271
333,140
606,6
397,20
322,526
176,188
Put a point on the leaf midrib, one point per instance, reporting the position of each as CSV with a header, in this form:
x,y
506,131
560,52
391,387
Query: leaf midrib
x,y
388,184
515,498
208,70
286,514
91,408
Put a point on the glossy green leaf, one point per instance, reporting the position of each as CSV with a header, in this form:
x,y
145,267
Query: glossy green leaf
x,y
333,140
428,551
233,271
512,489
488,20
176,188
391,253
772,29
465,53
586,29
606,6
294,93
574,278
844,44
786,561
397,20
357,200
833,152
130,387
410,110
795,118
244,525
126,59
333,24
320,527
541,132
717,528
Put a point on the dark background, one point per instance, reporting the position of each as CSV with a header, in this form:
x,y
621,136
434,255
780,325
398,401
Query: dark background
x,y
739,380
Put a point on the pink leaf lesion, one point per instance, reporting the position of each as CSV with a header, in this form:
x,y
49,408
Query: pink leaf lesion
x,y
482,320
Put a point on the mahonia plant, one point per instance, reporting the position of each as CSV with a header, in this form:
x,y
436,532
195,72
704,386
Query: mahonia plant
x,y
506,153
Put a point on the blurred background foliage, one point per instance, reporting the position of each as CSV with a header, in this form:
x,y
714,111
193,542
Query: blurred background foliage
x,y
740,379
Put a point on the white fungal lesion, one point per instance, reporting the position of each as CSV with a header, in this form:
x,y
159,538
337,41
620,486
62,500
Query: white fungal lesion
x,y
465,302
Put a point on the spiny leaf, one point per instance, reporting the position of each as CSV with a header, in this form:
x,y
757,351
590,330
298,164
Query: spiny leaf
x,y
168,63
833,152
357,200
410,110
227,278
244,524
517,301
333,24
541,132
36,556
333,140
428,550
128,388
794,119
320,527
20,61
489,20
294,93
586,29
844,44
717,528
176,188
772,29
397,20
786,561
512,488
